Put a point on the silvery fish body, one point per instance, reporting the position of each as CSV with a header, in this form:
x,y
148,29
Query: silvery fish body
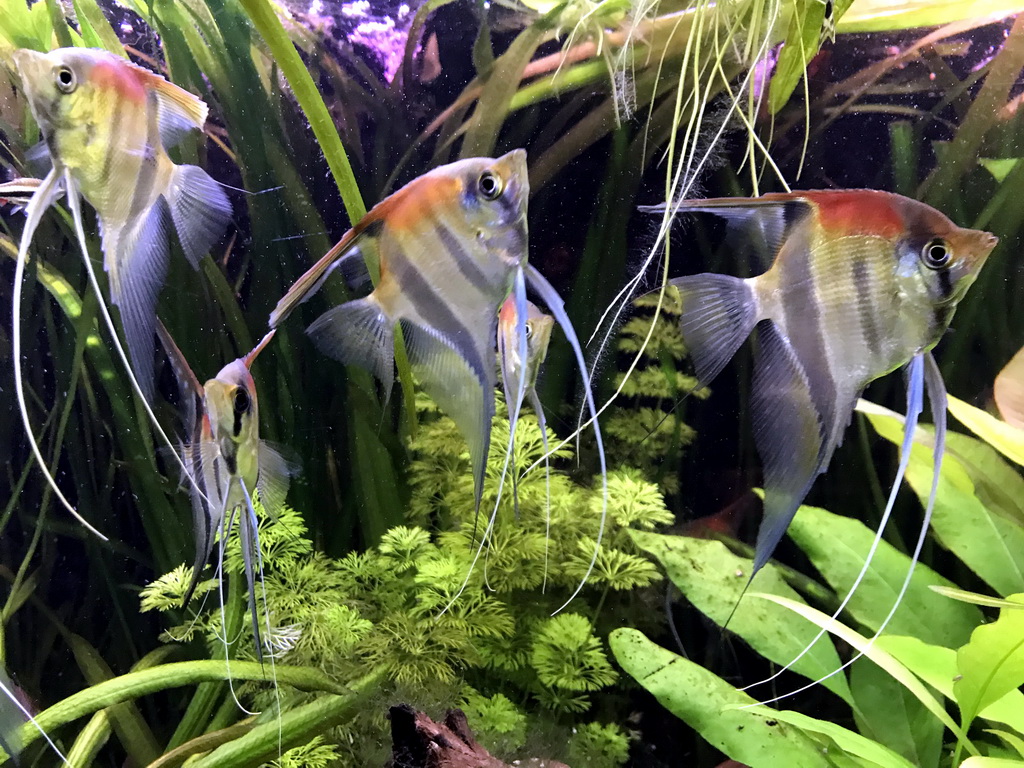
x,y
449,245
107,124
861,283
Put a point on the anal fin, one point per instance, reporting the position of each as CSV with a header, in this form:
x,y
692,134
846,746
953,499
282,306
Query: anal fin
x,y
459,391
787,433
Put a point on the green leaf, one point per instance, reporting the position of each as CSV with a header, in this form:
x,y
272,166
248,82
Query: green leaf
x,y
498,89
801,45
937,667
710,706
990,666
874,651
990,762
989,544
891,715
1006,439
838,547
1012,739
974,598
713,579
294,728
848,741
165,676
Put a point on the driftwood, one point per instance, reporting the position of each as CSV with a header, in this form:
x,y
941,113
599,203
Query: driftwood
x,y
419,742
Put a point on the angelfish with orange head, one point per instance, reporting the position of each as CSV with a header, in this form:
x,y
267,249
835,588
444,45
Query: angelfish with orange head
x,y
861,283
227,461
107,125
452,247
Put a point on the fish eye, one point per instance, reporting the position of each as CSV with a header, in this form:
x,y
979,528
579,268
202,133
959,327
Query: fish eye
x,y
242,401
936,254
529,330
490,186
65,79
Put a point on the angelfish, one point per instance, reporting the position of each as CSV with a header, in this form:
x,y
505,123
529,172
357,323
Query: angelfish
x,y
107,125
452,247
862,282
518,374
227,461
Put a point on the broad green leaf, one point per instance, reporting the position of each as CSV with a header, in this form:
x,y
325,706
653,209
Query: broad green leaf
x,y
989,544
999,167
891,715
1008,440
873,651
890,15
990,762
711,706
850,742
937,667
991,665
713,579
838,547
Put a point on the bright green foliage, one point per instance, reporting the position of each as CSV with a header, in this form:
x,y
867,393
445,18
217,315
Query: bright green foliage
x,y
315,754
646,429
497,723
598,746
935,647
418,609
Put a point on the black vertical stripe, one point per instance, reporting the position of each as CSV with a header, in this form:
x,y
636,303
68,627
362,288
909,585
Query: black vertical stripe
x,y
463,259
866,312
435,312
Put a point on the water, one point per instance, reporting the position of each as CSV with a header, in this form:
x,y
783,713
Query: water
x,y
370,597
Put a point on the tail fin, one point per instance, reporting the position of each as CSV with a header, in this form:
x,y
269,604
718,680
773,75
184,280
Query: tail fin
x,y
719,313
199,209
359,333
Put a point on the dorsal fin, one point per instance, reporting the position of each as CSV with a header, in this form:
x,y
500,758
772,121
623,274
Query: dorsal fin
x,y
178,111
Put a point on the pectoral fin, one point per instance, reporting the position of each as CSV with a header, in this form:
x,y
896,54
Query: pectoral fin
x,y
787,434
275,476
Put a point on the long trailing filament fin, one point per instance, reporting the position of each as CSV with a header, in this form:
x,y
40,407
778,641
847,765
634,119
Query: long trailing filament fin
x,y
923,371
557,308
40,201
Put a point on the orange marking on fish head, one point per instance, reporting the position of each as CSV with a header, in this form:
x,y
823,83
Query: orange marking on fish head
x,y
407,208
859,212
113,74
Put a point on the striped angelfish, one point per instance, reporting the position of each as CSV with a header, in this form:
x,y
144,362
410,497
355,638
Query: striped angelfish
x,y
106,124
452,246
861,283
227,461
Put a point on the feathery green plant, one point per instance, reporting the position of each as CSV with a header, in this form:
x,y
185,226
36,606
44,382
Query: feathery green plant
x,y
397,607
